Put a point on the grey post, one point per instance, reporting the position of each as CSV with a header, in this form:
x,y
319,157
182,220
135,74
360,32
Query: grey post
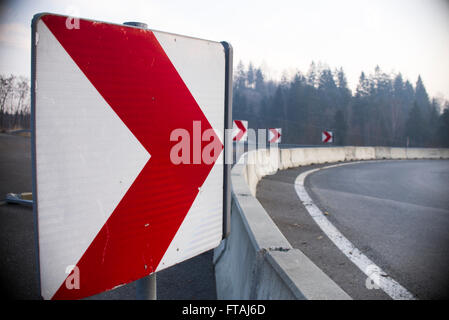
x,y
146,286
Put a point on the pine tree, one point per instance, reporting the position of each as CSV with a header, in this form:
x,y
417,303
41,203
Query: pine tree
x,y
340,128
421,97
259,82
328,90
432,123
443,127
240,76
414,127
250,76
345,94
363,89
312,75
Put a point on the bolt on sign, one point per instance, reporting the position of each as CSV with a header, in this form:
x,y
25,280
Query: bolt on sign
x,y
240,130
275,135
128,147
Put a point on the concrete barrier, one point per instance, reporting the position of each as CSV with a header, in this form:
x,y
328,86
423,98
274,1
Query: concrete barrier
x,y
382,153
444,153
398,153
285,159
256,261
365,153
423,153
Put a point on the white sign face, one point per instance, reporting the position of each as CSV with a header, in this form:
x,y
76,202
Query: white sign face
x,y
327,136
240,130
120,192
275,135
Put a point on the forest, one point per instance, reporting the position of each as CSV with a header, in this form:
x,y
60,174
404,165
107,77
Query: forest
x,y
385,109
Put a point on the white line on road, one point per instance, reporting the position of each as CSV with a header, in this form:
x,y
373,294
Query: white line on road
x,y
376,276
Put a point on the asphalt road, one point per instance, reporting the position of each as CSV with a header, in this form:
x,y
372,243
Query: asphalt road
x,y
190,280
395,212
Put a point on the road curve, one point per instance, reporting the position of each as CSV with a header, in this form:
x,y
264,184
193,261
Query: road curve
x,y
395,212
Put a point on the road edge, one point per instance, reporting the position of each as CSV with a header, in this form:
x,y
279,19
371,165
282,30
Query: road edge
x,y
256,261
375,275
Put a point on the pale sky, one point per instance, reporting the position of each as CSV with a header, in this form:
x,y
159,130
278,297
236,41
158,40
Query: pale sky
x,y
410,36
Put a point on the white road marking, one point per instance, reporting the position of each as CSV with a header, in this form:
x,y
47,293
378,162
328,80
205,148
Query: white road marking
x,y
368,267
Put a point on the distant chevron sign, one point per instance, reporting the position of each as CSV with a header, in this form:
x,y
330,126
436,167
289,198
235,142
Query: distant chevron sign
x,y
240,130
275,135
327,137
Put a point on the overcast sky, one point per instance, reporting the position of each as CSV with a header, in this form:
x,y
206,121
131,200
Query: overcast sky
x,y
410,36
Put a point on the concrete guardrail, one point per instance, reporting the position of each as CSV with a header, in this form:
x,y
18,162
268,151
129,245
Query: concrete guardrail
x,y
256,261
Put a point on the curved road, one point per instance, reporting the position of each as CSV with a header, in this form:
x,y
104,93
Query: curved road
x,y
395,212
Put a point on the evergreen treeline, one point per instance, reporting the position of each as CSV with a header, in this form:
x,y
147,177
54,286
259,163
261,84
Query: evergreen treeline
x,y
384,110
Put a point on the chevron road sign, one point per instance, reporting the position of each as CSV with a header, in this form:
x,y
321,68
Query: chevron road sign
x,y
327,136
240,130
275,135
112,107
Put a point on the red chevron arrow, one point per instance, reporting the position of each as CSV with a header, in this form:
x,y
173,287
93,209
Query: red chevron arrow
x,y
276,135
242,131
133,74
326,136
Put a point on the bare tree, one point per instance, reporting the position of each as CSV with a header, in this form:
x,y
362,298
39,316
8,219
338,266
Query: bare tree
x,y
6,89
14,102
